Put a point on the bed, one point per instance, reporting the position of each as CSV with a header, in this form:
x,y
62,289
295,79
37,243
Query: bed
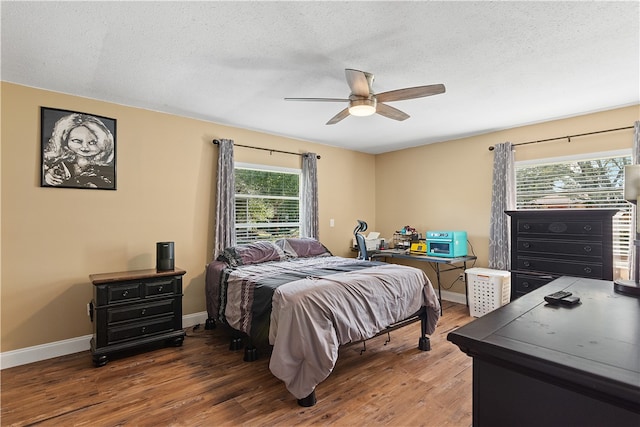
x,y
295,298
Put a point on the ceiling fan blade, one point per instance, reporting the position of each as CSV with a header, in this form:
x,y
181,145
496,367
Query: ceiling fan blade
x,y
410,93
318,99
390,112
341,115
359,82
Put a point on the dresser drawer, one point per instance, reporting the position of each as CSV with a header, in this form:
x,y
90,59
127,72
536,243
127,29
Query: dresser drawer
x,y
560,267
560,247
141,311
525,283
129,331
560,228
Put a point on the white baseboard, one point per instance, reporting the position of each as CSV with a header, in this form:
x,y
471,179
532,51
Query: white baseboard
x,y
454,297
23,356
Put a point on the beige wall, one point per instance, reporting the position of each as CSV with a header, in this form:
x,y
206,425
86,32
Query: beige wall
x,y
447,186
53,238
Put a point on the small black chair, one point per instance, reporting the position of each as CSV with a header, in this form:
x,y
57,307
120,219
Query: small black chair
x,y
360,240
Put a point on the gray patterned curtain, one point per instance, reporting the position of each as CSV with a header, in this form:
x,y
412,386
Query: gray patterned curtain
x,y
309,219
502,199
225,205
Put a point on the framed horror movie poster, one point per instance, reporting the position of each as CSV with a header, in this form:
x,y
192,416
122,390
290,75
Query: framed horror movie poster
x,y
78,150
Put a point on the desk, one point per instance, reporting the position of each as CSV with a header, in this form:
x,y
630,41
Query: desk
x,y
541,365
434,261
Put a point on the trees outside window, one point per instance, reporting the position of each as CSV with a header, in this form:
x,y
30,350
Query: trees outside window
x,y
267,202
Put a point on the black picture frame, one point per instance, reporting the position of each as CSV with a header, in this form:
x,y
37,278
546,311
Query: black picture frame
x,y
89,162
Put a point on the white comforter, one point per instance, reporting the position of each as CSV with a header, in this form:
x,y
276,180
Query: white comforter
x,y
312,317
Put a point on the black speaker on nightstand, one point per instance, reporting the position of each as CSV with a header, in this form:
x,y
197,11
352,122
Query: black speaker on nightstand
x,y
165,256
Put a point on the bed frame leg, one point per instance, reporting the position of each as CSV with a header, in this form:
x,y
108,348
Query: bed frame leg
x,y
424,343
235,344
309,400
250,354
210,323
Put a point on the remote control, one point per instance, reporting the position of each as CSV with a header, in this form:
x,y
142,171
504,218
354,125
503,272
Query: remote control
x,y
556,297
570,301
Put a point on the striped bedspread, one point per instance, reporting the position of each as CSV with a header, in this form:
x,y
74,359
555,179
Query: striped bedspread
x,y
308,307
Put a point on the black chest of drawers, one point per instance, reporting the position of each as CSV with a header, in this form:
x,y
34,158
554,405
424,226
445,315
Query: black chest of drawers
x,y
135,308
549,243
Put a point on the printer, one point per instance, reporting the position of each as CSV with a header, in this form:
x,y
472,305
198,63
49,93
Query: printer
x,y
372,240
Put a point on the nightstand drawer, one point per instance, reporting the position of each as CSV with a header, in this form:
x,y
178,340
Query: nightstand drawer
x,y
124,292
160,288
560,247
139,329
141,311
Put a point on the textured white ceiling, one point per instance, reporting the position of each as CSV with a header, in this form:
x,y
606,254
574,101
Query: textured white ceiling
x,y
504,64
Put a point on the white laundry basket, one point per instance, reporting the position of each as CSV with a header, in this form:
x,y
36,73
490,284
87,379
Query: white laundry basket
x,y
488,289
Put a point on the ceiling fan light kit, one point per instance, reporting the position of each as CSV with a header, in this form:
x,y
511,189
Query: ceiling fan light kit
x,y
362,107
364,102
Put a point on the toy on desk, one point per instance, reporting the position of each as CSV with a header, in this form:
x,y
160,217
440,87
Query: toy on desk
x,y
450,244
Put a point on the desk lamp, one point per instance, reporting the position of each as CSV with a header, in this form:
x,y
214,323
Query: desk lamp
x,y
631,195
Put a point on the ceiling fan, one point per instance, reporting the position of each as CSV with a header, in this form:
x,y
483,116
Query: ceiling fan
x,y
364,102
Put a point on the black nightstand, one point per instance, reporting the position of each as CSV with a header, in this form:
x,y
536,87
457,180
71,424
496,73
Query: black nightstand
x,y
135,308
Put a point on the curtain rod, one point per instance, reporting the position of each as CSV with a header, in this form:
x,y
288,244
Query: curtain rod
x,y
568,137
216,142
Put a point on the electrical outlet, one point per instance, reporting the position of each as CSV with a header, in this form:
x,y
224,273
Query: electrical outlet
x,y
461,277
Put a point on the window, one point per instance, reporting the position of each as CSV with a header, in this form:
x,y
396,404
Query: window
x,y
581,182
267,202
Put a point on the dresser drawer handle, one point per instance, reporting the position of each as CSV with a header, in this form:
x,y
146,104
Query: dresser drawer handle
x,y
125,293
143,312
527,226
587,227
587,248
143,329
587,270
527,264
160,288
525,285
526,245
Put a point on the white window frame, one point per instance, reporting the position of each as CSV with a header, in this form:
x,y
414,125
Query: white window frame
x,y
623,226
275,169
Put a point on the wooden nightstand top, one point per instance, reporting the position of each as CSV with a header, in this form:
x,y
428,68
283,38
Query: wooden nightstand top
x,y
101,278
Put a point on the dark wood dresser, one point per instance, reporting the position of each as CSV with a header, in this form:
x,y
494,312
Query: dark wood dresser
x,y
549,243
536,364
135,308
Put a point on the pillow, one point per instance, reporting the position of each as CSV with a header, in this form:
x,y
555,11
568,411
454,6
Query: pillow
x,y
251,253
302,247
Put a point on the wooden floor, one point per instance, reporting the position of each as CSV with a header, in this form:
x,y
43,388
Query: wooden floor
x,y
202,383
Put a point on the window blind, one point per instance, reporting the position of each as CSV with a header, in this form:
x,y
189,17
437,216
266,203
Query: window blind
x,y
267,203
